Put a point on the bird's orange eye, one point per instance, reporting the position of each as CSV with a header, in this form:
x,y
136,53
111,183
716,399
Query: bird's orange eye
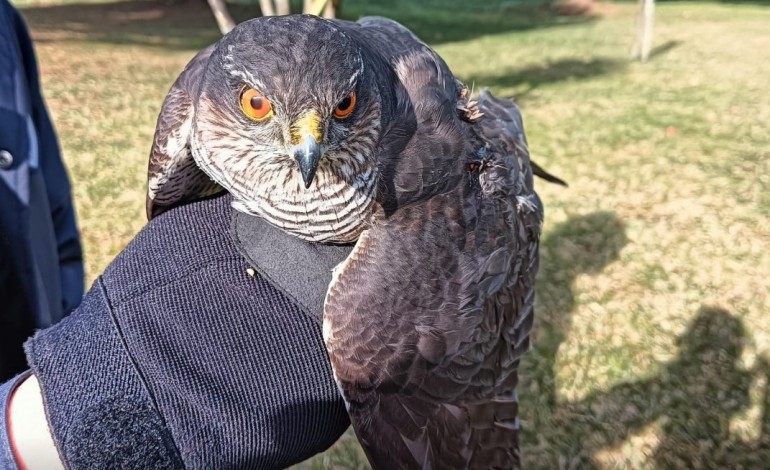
x,y
346,106
255,106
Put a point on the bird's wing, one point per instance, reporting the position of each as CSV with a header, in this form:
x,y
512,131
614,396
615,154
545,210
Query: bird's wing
x,y
427,318
394,42
502,117
173,177
391,38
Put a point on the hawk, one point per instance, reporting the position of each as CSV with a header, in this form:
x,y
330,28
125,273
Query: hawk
x,y
343,132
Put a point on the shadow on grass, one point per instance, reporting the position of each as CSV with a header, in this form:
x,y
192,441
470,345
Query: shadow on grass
x,y
581,245
442,21
693,400
189,24
529,78
664,48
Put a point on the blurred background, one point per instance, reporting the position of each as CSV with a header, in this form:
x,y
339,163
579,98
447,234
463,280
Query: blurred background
x,y
652,339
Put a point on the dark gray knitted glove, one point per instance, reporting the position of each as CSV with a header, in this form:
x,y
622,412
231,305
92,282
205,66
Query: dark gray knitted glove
x,y
183,355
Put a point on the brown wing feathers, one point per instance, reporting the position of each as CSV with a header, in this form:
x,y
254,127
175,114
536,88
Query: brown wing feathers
x,y
173,176
500,114
427,321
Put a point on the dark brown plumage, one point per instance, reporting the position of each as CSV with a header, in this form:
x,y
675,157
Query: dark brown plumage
x,y
427,319
173,176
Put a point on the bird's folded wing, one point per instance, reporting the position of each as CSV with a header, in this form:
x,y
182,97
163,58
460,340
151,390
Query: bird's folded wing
x,y
503,121
173,178
426,341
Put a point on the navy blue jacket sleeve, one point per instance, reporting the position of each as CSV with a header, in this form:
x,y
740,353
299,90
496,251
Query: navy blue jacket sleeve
x,y
56,179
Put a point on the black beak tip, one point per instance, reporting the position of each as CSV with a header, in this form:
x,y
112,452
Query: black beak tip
x,y
307,156
307,169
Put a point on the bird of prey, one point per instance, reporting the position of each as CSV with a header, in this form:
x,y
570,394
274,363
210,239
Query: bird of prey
x,y
345,132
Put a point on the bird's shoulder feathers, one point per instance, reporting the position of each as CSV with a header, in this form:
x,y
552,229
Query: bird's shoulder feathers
x,y
173,176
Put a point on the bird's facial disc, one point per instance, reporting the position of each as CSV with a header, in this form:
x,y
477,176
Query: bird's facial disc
x,y
307,114
306,138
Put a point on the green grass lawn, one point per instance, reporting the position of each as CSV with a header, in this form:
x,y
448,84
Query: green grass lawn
x,y
652,340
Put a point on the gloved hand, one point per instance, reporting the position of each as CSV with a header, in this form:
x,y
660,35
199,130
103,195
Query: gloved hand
x,y
186,354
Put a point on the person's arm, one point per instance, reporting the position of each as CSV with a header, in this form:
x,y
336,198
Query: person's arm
x,y
56,179
28,431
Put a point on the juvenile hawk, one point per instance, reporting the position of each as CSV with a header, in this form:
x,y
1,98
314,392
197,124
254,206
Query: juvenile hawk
x,y
358,132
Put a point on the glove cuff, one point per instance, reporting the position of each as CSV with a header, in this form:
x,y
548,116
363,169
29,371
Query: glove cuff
x,y
98,407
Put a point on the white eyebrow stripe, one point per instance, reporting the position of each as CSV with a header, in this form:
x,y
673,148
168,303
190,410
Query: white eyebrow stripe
x,y
248,78
352,80
236,71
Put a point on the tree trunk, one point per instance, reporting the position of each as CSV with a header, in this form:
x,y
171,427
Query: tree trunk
x,y
326,8
314,7
224,20
644,26
282,7
330,10
267,7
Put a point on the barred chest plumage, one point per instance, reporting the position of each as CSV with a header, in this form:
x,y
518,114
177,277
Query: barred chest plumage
x,y
334,209
266,182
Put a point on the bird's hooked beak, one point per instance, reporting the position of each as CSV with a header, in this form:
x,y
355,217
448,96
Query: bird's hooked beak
x,y
306,147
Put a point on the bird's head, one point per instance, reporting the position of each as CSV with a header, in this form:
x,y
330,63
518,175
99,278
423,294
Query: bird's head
x,y
288,119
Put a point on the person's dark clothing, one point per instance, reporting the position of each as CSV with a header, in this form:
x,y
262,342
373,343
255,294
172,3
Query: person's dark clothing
x,y
183,355
41,266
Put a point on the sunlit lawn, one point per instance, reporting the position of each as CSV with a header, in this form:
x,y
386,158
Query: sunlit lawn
x,y
652,341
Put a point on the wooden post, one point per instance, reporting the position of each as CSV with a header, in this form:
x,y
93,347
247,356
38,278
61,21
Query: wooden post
x,y
644,26
314,7
330,10
282,7
267,7
224,20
